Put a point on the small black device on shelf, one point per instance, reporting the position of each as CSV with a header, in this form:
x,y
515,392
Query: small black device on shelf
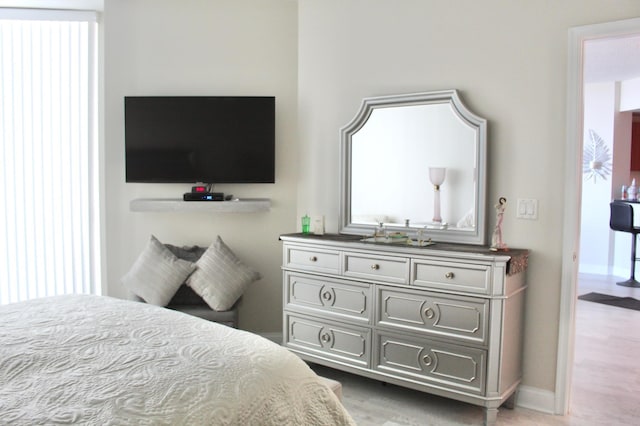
x,y
203,196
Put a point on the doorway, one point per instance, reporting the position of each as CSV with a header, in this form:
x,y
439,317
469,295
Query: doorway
x,y
573,200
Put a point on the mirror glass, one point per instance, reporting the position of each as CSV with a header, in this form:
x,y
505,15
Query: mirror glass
x,y
415,162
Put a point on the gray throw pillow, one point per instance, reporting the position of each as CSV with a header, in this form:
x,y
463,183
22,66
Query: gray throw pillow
x,y
221,278
157,274
190,253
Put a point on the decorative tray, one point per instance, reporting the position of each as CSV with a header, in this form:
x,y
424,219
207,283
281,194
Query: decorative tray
x,y
397,241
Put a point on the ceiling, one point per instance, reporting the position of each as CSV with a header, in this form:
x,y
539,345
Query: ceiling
x,y
612,59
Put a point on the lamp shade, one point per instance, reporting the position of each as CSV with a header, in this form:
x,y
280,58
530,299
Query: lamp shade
x,y
437,175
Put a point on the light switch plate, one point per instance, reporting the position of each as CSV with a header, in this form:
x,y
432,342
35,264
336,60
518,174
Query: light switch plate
x,y
527,208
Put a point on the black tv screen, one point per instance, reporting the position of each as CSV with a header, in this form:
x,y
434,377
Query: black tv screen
x,y
210,139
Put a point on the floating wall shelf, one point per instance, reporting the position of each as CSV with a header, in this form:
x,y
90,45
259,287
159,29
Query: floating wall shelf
x,y
245,205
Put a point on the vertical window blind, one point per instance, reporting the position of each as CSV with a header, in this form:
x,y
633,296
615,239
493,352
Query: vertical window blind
x,y
49,215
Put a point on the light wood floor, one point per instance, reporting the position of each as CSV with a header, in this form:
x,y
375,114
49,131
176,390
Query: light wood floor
x,y
605,389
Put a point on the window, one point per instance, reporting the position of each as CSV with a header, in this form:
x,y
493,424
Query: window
x,y
49,215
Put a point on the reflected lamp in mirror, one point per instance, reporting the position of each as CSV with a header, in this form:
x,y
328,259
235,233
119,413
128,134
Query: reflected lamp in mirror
x,y
436,176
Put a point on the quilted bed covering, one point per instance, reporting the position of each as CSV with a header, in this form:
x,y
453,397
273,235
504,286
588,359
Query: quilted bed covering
x,y
104,361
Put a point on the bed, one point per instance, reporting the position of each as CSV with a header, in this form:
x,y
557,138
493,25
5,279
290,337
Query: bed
x,y
85,359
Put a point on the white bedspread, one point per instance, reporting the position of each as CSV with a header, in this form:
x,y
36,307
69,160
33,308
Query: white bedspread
x,y
103,361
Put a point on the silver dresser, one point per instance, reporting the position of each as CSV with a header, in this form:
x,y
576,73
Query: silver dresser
x,y
444,319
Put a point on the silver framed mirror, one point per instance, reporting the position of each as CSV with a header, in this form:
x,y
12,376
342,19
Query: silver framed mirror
x,y
416,164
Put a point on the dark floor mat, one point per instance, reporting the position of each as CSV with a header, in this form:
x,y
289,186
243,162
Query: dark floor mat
x,y
621,302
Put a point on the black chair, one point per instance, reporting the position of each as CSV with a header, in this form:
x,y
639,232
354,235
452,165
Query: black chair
x,y
622,220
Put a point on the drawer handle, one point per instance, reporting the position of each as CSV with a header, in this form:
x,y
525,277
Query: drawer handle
x,y
429,313
427,360
449,275
313,258
326,295
326,337
375,266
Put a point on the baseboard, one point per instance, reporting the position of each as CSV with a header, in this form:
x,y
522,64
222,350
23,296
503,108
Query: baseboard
x,y
536,399
594,269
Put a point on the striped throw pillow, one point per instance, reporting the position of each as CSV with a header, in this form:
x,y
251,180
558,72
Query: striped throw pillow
x,y
157,274
220,277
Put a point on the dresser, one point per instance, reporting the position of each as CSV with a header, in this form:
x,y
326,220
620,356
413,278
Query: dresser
x,y
445,319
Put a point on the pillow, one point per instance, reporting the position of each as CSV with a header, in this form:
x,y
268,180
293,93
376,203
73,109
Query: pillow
x,y
190,253
157,274
221,278
185,294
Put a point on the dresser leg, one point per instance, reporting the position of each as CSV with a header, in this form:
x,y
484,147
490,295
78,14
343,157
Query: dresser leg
x,y
490,416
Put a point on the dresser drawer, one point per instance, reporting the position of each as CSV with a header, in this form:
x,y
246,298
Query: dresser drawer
x,y
330,297
370,267
350,344
430,362
451,317
468,277
312,259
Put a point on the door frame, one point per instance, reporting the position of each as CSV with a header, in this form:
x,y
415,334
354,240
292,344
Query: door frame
x,y
573,197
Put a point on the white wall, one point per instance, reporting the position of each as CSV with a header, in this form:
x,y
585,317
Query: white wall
x,y
600,103
202,47
509,61
619,260
608,111
630,95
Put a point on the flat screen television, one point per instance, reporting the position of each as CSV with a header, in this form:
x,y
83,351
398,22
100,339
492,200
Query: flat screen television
x,y
209,139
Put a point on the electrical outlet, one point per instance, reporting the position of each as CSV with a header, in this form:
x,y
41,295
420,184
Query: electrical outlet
x,y
527,208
